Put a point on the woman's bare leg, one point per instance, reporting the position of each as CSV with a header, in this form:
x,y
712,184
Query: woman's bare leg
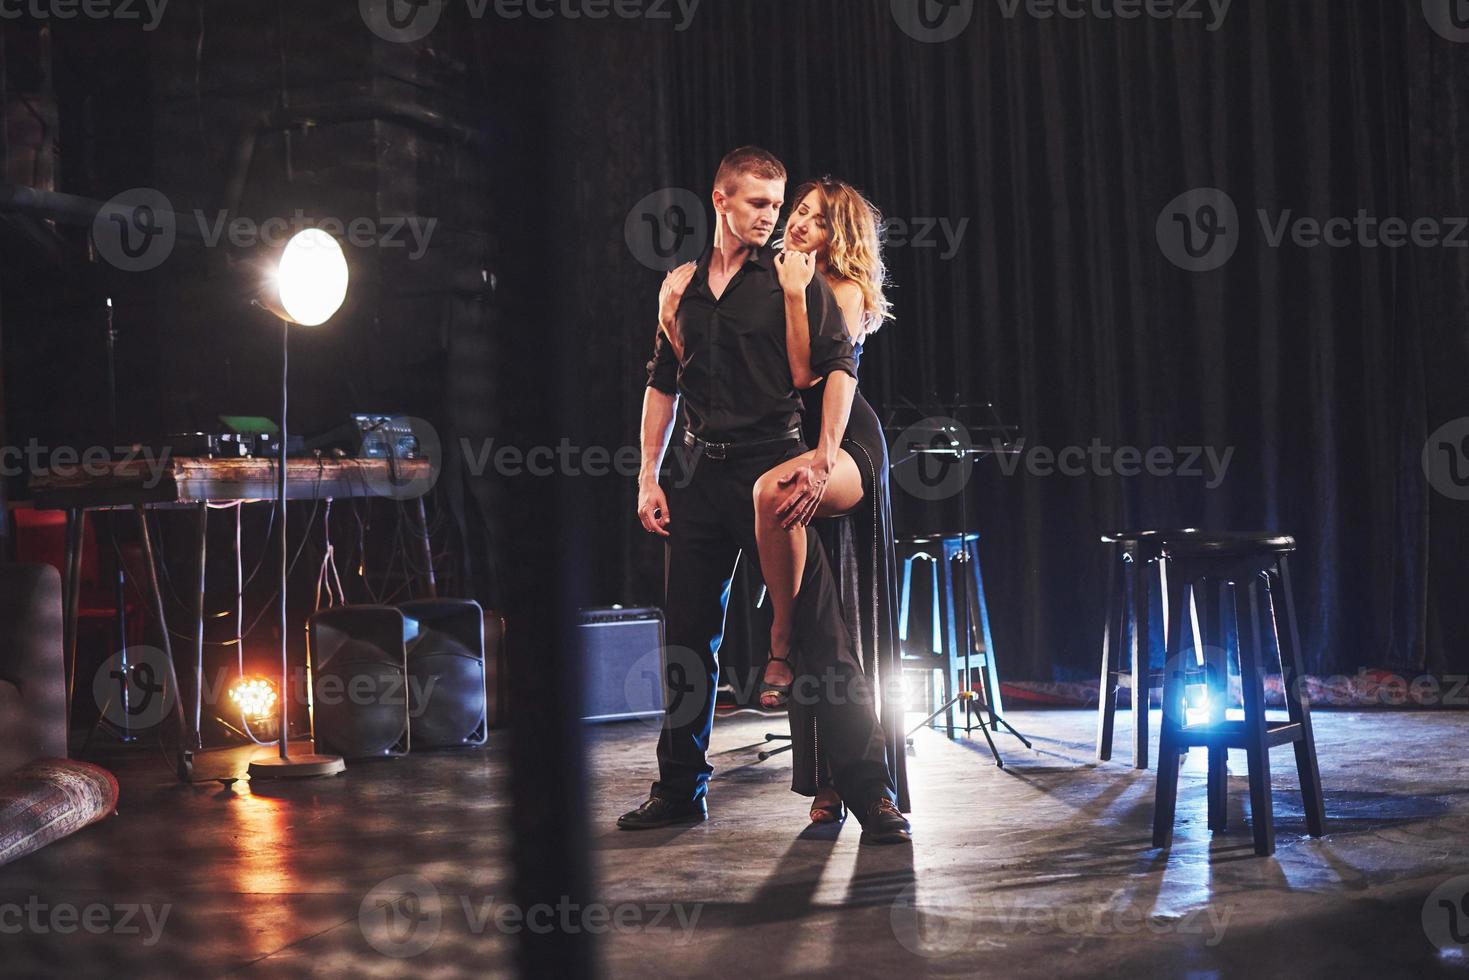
x,y
783,551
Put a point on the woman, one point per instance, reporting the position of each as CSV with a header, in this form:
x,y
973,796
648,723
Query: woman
x,y
832,230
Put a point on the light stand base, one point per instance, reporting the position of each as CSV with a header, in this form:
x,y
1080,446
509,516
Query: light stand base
x,y
297,767
968,698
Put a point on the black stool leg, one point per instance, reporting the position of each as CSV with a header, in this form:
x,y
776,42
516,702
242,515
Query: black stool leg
x,y
1293,681
1141,668
1112,638
1252,681
1169,738
1210,598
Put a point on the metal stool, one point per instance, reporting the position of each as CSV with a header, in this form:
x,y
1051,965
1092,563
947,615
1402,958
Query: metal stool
x,y
1253,567
943,553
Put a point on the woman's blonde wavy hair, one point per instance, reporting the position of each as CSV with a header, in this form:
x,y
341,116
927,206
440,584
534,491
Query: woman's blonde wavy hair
x,y
854,250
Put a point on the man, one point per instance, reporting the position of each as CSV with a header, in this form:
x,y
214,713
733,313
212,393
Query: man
x,y
721,349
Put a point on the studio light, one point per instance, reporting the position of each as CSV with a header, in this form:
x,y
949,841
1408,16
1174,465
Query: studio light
x,y
306,286
254,698
309,284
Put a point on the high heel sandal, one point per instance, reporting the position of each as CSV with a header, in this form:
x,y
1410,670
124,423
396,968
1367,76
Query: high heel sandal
x,y
830,813
782,692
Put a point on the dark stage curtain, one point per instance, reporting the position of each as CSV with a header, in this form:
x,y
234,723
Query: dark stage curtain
x,y
1058,143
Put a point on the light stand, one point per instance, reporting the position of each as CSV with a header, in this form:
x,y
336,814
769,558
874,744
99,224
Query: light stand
x,y
124,732
309,288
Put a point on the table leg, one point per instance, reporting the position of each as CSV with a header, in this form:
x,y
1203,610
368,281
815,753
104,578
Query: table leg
x,y
185,759
71,603
202,515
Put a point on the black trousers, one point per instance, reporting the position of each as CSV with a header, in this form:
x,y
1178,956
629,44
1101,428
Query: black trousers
x,y
712,521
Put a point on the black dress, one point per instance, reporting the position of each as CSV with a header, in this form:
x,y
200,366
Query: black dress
x,y
859,546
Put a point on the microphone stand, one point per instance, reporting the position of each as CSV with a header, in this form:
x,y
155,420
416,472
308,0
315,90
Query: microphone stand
x,y
968,696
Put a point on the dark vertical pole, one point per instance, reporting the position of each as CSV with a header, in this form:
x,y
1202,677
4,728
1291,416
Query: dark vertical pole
x,y
539,396
119,596
1257,747
203,528
1175,591
5,542
185,757
1142,670
1112,632
1210,596
70,601
287,690
426,548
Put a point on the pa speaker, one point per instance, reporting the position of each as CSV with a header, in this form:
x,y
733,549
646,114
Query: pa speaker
x,y
359,674
621,657
446,673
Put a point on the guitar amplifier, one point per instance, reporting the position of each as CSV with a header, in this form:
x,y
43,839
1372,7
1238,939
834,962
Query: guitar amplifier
x,y
621,654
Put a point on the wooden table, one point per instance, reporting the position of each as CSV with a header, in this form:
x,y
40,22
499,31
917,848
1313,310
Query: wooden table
x,y
196,483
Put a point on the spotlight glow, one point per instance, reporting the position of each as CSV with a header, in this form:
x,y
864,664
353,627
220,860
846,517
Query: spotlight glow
x,y
255,698
1196,707
312,278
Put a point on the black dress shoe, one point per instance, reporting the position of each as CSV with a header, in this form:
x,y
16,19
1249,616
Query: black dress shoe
x,y
658,812
883,824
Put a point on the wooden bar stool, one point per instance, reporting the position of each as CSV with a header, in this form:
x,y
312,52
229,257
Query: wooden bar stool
x,y
1253,567
1133,568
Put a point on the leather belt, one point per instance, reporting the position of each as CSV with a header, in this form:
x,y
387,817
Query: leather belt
x,y
718,451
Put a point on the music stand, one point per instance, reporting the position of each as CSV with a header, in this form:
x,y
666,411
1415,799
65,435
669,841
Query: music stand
x,y
945,440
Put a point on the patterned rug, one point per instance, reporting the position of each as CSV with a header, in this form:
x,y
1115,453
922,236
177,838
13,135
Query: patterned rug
x,y
49,799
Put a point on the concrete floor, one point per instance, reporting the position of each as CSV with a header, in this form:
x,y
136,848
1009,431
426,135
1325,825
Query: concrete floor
x,y
1042,870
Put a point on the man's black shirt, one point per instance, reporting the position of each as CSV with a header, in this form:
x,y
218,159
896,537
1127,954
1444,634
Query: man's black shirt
x,y
735,378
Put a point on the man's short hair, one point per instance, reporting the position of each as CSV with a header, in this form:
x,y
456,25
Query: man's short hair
x,y
749,160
